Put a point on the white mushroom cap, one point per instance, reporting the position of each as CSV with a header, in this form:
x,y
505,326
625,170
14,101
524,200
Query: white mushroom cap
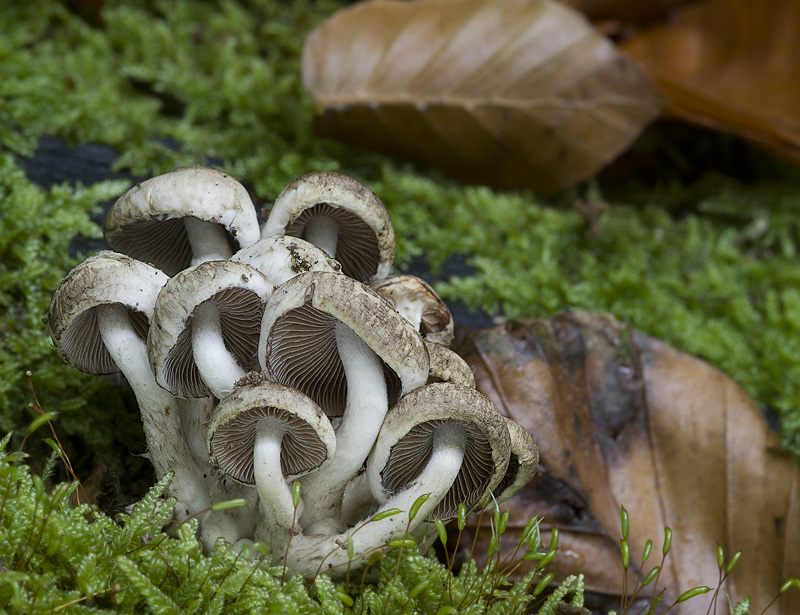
x,y
282,257
229,293
264,434
107,278
308,440
448,366
406,441
522,464
416,301
340,215
298,341
181,218
98,319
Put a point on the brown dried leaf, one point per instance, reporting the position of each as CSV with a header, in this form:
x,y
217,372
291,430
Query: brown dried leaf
x,y
730,65
625,10
511,93
621,419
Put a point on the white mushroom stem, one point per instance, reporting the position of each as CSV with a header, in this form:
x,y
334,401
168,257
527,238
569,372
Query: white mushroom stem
x,y
166,441
367,403
323,232
308,553
275,496
208,240
219,369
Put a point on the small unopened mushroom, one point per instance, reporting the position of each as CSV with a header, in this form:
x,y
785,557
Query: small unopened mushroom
x,y
98,318
282,257
182,218
266,434
522,464
336,340
416,301
205,329
340,215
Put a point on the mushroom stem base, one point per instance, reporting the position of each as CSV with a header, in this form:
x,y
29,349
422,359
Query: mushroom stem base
x,y
166,441
308,554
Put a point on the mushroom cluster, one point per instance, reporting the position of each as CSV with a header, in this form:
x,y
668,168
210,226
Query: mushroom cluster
x,y
264,358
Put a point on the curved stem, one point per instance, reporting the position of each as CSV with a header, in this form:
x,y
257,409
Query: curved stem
x,y
323,232
219,369
307,553
367,404
275,497
166,441
208,240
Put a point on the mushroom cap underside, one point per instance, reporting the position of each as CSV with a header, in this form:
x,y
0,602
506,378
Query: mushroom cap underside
x,y
239,293
405,443
298,341
104,279
366,244
147,222
308,438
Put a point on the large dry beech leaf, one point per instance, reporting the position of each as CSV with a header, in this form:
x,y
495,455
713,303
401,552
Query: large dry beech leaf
x,y
622,419
513,93
730,65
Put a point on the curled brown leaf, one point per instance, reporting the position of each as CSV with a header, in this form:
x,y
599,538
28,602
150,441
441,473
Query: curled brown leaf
x,y
621,419
513,93
730,65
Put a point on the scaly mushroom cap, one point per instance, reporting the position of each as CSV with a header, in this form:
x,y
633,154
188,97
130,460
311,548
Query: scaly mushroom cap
x,y
282,257
365,245
239,293
103,279
147,222
307,442
522,464
298,343
414,298
405,444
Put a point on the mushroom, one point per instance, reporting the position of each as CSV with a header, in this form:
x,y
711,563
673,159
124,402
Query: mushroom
x,y
265,434
205,328
340,215
98,318
414,298
522,464
337,341
281,257
445,366
182,218
443,440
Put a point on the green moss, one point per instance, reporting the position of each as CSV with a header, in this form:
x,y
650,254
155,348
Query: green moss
x,y
75,559
37,229
708,266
